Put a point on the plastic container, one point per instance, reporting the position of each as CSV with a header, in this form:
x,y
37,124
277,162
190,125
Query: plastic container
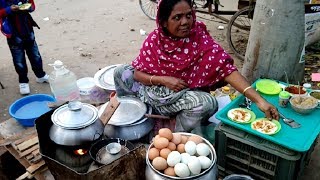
x,y
284,97
63,83
27,109
243,153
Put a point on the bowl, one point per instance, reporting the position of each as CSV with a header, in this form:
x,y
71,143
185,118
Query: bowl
x,y
303,104
85,85
315,94
113,148
27,109
294,90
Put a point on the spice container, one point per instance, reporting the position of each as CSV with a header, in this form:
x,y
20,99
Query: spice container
x,y
284,97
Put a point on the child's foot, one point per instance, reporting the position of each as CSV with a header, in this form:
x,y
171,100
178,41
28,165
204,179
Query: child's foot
x,y
45,78
24,88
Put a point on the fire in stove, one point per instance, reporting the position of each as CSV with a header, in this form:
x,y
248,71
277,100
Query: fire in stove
x,y
80,152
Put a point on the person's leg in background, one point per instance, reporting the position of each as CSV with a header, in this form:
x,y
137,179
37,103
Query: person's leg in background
x,y
35,59
19,61
124,83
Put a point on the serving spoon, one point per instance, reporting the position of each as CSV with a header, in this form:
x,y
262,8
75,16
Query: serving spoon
x,y
292,123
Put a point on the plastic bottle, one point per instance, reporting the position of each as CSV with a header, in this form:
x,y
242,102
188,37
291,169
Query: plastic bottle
x,y
63,83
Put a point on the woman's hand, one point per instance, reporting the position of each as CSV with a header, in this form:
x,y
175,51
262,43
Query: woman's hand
x,y
269,110
173,83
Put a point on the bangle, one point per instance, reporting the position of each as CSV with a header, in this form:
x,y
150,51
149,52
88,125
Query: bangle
x,y
151,80
246,89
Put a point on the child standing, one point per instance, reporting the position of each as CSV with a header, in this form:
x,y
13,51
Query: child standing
x,y
17,26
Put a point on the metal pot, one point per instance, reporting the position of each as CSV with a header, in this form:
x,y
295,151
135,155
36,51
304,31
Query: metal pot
x,y
133,131
211,173
75,124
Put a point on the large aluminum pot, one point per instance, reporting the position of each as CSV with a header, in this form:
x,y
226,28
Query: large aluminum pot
x,y
75,124
209,174
132,131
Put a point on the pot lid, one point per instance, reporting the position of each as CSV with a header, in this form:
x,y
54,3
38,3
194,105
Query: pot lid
x,y
104,77
74,115
129,111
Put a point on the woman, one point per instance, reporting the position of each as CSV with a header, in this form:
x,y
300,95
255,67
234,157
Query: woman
x,y
177,62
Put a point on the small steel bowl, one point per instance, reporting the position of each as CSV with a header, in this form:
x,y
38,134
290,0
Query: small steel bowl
x,y
113,148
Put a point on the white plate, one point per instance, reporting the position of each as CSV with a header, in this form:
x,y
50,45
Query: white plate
x,y
104,77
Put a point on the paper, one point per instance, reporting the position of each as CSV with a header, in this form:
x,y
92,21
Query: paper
x,y
315,77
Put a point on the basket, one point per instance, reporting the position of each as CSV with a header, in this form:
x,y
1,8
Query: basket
x,y
241,153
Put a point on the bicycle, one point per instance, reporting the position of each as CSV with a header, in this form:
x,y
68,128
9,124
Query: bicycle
x,y
239,25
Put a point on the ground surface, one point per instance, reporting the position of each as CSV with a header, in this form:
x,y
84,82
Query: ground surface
x,y
89,35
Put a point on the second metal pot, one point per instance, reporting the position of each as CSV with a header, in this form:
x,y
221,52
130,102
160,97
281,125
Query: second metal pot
x,y
75,124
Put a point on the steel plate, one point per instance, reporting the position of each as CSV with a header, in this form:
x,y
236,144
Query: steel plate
x,y
104,77
129,111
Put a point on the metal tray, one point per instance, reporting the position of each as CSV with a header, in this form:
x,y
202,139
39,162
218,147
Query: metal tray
x,y
129,111
104,77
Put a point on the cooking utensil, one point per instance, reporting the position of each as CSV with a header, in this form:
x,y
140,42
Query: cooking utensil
x,y
292,123
75,123
104,77
132,131
246,104
100,155
130,110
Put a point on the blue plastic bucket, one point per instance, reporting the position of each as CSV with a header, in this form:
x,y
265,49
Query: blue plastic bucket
x,y
27,109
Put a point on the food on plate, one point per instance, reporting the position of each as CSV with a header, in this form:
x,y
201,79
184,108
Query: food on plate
x,y
239,115
293,89
315,94
25,6
264,126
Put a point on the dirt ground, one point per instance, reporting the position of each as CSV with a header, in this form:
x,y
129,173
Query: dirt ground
x,y
90,35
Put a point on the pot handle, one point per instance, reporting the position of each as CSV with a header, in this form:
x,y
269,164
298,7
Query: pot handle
x,y
94,136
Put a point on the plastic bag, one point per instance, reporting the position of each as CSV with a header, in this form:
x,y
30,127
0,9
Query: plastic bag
x,y
5,27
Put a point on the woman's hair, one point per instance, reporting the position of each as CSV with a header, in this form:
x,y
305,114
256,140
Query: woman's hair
x,y
165,8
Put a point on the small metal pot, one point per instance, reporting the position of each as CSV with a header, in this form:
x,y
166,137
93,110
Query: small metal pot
x,y
75,124
133,131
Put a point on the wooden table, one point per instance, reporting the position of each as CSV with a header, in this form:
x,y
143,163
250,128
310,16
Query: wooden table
x,y
22,143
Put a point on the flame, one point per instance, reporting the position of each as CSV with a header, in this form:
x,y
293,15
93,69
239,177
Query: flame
x,y
80,152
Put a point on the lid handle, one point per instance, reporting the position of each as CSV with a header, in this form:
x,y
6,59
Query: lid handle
x,y
75,105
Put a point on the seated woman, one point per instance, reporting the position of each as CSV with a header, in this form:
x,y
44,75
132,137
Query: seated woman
x,y
177,63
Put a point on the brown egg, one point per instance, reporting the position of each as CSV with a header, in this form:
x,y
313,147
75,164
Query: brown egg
x,y
153,153
161,142
184,139
172,146
196,139
157,136
170,171
176,139
166,133
159,163
180,148
165,152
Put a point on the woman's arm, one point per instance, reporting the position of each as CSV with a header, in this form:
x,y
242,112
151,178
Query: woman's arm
x,y
236,80
172,83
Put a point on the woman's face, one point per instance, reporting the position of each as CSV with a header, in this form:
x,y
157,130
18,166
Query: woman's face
x,y
180,20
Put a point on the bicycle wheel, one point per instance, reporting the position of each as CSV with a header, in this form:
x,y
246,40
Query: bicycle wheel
x,y
149,8
238,32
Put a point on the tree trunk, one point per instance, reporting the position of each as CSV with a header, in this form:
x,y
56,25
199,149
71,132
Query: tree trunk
x,y
276,41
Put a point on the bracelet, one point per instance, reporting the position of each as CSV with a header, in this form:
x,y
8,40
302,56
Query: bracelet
x,y
151,80
245,89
